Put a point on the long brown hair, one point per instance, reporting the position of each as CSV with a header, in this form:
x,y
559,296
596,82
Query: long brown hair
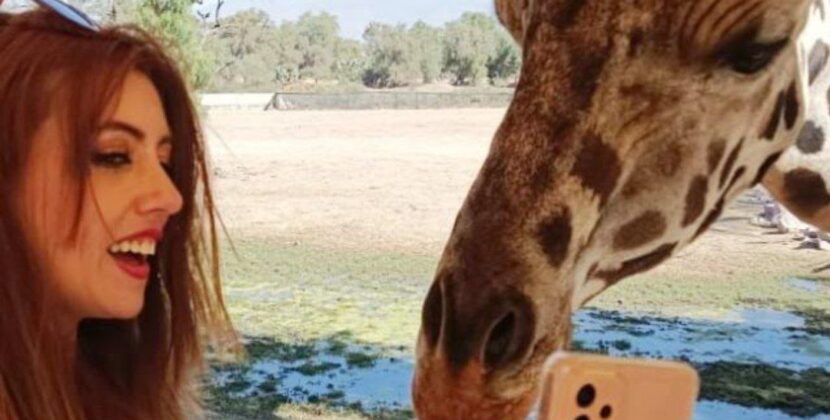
x,y
140,368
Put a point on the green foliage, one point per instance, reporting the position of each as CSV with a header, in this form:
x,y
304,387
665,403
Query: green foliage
x,y
428,48
317,39
349,60
173,22
477,48
391,58
247,51
506,60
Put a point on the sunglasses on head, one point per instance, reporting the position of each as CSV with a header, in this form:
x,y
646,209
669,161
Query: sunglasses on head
x,y
68,12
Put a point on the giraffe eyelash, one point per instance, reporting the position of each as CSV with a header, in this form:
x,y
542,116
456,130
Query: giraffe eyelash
x,y
746,55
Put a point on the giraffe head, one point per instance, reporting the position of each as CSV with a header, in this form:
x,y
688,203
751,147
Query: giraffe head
x,y
633,123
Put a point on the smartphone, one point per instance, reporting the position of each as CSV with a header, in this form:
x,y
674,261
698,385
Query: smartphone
x,y
591,387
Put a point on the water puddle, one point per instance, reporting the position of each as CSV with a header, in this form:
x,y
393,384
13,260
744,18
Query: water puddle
x,y
341,373
809,285
749,336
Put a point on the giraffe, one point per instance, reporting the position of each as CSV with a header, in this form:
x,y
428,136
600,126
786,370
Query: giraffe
x,y
633,124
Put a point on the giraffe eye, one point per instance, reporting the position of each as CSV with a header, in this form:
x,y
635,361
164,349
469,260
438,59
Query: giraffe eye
x,y
747,56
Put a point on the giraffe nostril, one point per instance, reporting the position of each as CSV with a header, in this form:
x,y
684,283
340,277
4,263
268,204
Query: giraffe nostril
x,y
510,336
498,343
433,314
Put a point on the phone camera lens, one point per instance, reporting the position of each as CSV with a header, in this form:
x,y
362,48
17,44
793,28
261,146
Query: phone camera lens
x,y
585,396
606,412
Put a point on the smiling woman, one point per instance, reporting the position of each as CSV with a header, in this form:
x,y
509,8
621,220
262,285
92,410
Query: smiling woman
x,y
107,236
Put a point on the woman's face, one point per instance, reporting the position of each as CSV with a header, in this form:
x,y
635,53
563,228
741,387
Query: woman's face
x,y
103,271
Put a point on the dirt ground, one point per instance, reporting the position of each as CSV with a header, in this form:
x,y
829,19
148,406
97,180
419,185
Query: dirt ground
x,y
393,180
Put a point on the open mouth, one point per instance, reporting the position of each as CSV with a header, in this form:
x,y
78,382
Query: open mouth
x,y
133,256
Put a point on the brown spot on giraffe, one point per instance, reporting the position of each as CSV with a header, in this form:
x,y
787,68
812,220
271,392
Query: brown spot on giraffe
x,y
730,163
638,265
806,190
640,231
819,55
663,162
554,236
566,14
587,67
695,200
791,106
433,313
596,154
811,138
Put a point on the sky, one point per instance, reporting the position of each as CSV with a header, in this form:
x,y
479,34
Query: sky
x,y
354,15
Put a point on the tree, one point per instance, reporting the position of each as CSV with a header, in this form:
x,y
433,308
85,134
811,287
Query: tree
x,y
317,38
506,61
476,47
390,55
173,22
349,60
428,46
247,50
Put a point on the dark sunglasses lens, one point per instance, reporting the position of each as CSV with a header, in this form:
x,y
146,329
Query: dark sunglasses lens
x,y
70,13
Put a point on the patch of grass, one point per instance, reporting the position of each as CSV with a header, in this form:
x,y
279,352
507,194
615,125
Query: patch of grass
x,y
268,348
238,380
691,292
580,346
816,321
621,345
337,344
301,293
361,360
311,368
349,412
795,393
220,404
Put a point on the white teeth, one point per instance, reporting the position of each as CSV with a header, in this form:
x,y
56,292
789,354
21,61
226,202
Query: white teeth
x,y
143,247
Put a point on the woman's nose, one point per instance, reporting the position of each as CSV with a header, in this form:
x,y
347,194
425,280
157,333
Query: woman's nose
x,y
159,193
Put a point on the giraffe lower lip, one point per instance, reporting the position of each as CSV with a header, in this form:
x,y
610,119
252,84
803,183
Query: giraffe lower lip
x,y
135,268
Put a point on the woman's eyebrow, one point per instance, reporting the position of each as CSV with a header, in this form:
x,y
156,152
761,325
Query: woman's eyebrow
x,y
131,130
122,126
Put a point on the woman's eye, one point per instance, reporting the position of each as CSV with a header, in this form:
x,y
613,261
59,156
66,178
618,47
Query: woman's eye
x,y
111,160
